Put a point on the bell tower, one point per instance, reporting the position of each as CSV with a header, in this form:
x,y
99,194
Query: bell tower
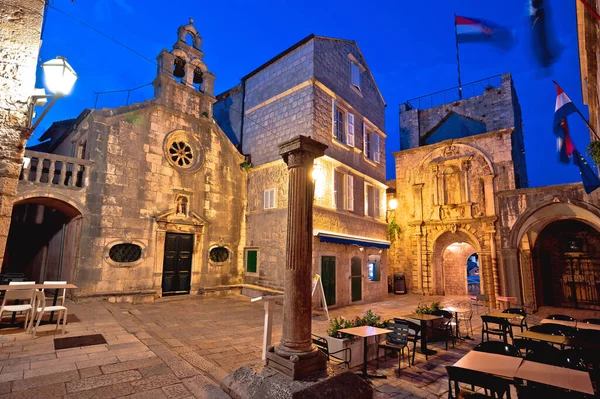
x,y
183,81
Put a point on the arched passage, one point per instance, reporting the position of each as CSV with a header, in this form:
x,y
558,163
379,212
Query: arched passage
x,y
43,240
451,251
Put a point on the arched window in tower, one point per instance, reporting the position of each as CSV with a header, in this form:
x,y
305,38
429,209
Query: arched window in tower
x,y
451,186
198,78
179,69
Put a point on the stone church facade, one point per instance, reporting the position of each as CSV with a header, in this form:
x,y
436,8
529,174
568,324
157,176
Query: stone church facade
x,y
461,187
159,197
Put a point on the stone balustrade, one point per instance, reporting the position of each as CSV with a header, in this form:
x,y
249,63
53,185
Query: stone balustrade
x,y
41,168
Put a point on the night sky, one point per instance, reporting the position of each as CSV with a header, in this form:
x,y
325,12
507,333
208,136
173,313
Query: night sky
x,y
409,47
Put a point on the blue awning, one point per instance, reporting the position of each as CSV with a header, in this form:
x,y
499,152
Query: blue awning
x,y
349,240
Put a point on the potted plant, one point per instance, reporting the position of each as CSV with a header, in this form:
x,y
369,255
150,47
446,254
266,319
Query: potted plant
x,y
338,340
593,150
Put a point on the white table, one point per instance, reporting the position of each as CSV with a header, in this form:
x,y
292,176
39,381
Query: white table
x,y
365,332
490,363
560,377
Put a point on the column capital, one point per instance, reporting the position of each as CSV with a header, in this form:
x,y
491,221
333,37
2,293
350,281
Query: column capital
x,y
301,151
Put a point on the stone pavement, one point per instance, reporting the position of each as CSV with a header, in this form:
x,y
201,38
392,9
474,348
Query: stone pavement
x,y
183,347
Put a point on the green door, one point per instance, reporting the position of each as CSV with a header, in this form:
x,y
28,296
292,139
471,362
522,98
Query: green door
x,y
328,278
356,278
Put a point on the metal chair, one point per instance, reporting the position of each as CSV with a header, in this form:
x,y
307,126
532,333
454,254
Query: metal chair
x,y
591,321
397,340
446,327
18,295
528,345
495,387
554,329
497,347
482,298
561,317
503,328
322,344
536,391
520,311
467,317
40,308
414,335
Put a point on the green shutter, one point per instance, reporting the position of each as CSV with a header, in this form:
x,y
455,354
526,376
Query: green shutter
x,y
251,257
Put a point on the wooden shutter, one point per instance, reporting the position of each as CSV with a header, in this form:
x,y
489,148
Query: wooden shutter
x,y
266,199
350,130
377,202
376,147
333,119
350,192
364,137
272,198
366,200
251,260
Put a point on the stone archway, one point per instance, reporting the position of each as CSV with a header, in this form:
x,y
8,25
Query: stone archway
x,y
450,253
43,240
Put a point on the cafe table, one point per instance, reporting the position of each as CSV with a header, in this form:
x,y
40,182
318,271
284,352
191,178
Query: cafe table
x,y
508,316
424,319
573,324
366,332
456,311
561,377
536,336
490,363
55,287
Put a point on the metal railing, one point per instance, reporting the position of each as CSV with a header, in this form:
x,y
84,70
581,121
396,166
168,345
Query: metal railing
x,y
55,170
454,94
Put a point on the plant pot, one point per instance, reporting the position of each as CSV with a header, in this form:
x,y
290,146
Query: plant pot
x,y
356,347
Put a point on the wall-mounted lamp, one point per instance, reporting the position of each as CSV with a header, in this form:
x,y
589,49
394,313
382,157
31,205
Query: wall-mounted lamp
x,y
59,78
392,205
318,177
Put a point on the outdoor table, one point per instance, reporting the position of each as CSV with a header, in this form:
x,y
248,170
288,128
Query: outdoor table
x,y
508,316
587,326
555,376
365,332
456,311
506,299
536,336
55,287
424,318
573,324
490,363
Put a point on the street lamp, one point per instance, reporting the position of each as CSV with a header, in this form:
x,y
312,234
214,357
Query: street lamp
x,y
59,78
392,205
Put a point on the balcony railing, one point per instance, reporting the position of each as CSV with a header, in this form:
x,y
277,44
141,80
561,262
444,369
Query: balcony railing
x,y
55,170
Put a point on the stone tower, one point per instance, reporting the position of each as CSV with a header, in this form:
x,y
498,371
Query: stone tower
x,y
20,24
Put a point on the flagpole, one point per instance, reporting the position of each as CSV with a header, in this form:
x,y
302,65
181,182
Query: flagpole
x,y
457,59
588,125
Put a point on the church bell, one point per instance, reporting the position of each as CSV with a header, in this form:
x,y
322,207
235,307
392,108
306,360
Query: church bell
x,y
197,75
179,71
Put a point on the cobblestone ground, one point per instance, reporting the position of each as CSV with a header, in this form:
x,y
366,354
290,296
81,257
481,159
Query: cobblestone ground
x,y
183,347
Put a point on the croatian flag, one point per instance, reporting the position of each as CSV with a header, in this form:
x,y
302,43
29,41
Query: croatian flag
x,y
477,30
565,144
564,107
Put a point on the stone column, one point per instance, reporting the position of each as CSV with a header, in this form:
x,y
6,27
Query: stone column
x,y
295,356
20,37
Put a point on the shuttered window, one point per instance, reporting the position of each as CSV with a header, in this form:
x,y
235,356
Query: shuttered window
x,y
350,192
350,130
377,202
376,147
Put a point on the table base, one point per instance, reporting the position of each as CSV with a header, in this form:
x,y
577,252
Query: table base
x,y
427,351
363,375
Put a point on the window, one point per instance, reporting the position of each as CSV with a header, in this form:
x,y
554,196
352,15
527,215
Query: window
x,y
350,130
374,267
125,253
269,199
343,190
339,126
377,202
371,145
369,200
355,75
219,254
251,260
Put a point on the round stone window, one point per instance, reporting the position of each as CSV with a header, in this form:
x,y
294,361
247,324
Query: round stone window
x,y
125,253
183,151
219,254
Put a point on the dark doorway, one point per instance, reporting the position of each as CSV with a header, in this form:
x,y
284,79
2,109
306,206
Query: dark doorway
x,y
328,277
566,264
473,278
356,278
177,265
42,241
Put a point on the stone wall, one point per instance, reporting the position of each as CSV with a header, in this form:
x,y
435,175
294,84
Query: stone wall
x,y
455,268
20,25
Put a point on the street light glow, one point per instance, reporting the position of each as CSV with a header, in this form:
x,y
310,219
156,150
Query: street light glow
x,y
59,76
393,204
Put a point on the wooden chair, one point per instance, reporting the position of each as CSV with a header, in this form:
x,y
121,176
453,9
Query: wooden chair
x,y
397,340
494,387
18,295
322,344
502,328
484,299
522,324
40,308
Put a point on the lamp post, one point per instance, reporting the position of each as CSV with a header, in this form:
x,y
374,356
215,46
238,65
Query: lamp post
x,y
59,78
392,205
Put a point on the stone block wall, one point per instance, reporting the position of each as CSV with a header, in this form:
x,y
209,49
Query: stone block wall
x,y
20,25
228,111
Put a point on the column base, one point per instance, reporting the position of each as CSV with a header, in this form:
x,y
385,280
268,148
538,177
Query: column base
x,y
298,368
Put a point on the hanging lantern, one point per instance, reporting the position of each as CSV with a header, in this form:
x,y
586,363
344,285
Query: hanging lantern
x,y
198,75
179,70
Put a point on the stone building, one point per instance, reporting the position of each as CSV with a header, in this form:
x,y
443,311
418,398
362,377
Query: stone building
x,y
160,198
461,186
138,201
322,88
588,37
20,25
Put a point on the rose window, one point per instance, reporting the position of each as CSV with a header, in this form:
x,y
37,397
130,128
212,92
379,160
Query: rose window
x,y
181,154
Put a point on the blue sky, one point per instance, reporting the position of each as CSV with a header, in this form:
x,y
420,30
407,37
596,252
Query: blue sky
x,y
409,46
